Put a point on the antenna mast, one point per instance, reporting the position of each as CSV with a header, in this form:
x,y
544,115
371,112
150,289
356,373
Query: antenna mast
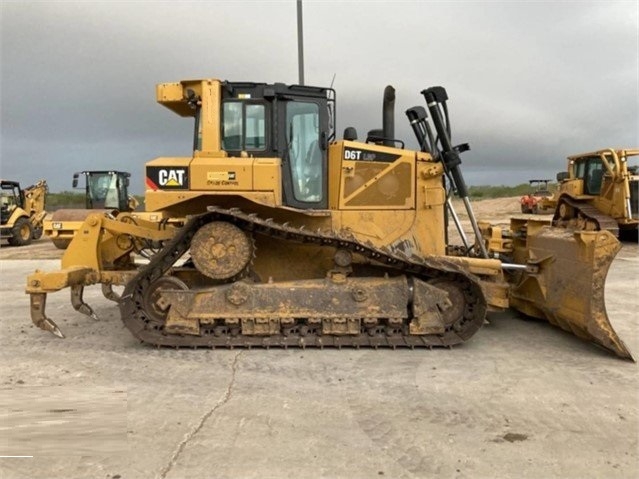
x,y
300,43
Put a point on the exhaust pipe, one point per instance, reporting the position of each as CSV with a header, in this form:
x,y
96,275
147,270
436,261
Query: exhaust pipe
x,y
388,118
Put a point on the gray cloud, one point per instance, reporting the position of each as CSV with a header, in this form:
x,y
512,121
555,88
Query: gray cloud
x,y
530,83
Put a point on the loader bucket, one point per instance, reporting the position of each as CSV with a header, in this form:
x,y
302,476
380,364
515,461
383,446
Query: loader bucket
x,y
564,282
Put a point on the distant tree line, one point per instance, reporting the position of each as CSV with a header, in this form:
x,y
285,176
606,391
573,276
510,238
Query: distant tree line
x,y
71,199
485,192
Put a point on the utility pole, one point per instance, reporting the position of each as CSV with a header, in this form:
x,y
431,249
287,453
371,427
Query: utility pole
x,y
300,43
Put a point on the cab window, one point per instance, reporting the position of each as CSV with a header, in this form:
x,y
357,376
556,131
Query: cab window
x,y
255,131
243,126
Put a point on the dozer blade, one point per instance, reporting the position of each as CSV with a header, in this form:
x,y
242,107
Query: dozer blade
x,y
565,280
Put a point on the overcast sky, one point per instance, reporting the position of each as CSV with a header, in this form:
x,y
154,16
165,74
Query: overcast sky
x,y
529,82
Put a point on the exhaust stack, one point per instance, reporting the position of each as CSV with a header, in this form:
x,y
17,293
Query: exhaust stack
x,y
388,118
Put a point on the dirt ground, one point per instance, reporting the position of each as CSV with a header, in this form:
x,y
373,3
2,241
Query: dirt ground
x,y
521,399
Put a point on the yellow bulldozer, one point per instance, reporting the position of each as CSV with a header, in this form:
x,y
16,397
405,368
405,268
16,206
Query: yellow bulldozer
x,y
22,211
295,237
105,191
600,191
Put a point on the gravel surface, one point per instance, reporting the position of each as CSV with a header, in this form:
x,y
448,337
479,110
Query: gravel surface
x,y
521,399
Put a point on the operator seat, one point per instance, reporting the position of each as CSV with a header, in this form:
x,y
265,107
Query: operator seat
x,y
313,169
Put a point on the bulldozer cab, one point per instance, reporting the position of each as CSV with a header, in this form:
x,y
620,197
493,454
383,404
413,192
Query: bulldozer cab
x,y
260,128
250,114
590,170
105,189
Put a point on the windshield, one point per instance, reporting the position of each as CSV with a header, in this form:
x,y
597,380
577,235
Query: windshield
x,y
7,198
103,190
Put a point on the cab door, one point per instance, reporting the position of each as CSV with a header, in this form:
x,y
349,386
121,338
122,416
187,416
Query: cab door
x,y
304,152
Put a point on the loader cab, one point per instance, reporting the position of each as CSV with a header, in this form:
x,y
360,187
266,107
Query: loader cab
x,y
294,123
11,197
104,189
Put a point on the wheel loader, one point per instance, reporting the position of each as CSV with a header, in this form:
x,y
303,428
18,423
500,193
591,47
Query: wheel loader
x,y
600,191
105,191
22,211
295,237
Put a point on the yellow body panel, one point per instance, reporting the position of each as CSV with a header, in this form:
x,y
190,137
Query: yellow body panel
x,y
398,204
373,185
256,179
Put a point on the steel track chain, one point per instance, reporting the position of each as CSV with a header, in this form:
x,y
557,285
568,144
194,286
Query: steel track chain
x,y
603,221
134,317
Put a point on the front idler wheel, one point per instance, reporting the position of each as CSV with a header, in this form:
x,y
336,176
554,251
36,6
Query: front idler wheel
x,y
454,312
155,305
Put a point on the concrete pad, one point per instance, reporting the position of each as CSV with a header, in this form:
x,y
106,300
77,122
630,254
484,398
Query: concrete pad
x,y
520,399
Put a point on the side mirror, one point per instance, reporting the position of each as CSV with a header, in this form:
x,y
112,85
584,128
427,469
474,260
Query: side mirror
x,y
75,180
562,176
